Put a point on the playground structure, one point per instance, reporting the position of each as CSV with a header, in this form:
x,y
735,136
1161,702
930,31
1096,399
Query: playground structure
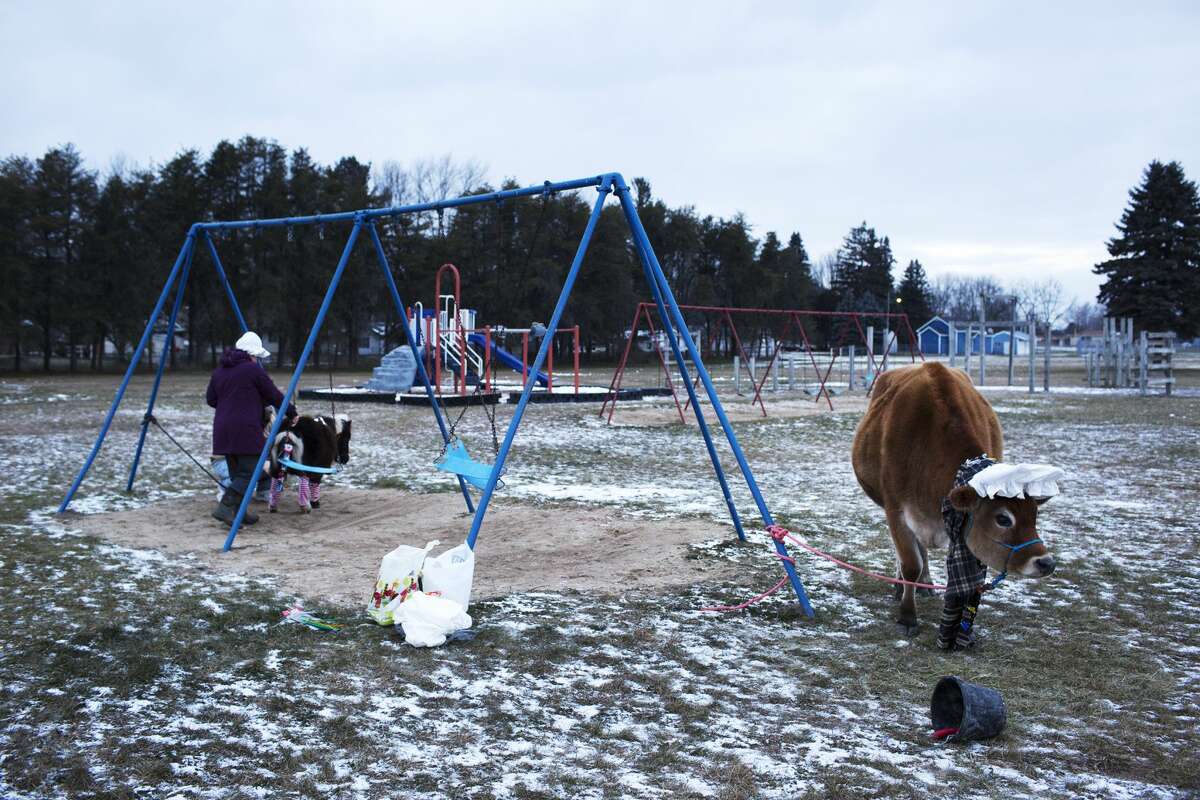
x,y
773,342
449,339
363,222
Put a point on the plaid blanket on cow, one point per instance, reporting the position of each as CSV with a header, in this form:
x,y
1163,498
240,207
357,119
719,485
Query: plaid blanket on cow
x,y
965,573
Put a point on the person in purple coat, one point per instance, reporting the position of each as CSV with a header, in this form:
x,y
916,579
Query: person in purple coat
x,y
239,390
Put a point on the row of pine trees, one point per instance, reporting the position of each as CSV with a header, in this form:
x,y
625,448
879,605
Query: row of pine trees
x,y
82,258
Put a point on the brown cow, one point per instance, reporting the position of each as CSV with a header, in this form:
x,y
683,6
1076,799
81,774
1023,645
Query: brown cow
x,y
922,423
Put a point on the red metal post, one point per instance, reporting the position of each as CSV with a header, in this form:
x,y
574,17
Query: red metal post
x,y
662,362
813,359
524,357
745,357
614,386
914,346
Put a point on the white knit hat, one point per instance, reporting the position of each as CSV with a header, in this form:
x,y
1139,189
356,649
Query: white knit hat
x,y
252,345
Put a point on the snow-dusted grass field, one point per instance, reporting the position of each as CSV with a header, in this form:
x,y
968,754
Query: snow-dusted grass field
x,y
125,673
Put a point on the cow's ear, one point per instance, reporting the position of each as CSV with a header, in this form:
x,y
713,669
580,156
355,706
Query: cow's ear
x,y
963,498
1041,501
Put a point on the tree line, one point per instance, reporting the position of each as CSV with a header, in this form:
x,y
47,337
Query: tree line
x,y
83,255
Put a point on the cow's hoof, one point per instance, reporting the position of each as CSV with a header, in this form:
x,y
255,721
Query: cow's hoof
x,y
305,510
316,503
908,629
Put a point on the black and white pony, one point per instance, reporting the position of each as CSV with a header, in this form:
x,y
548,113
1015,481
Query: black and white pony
x,y
313,442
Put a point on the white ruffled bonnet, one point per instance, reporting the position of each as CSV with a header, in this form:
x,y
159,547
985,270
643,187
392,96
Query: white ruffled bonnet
x,y
1035,481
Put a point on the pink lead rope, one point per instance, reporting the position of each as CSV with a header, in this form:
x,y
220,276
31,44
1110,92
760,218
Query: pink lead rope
x,y
779,534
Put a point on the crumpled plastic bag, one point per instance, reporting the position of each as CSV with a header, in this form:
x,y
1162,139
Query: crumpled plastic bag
x,y
398,576
427,619
450,574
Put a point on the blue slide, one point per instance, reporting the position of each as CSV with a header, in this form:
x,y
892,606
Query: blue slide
x,y
504,357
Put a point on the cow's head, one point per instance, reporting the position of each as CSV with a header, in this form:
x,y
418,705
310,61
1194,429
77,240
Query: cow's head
x,y
341,426
999,524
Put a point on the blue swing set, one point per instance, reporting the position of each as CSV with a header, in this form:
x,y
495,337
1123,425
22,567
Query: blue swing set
x,y
456,460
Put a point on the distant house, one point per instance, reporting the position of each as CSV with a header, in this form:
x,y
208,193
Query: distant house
x,y
934,339
998,343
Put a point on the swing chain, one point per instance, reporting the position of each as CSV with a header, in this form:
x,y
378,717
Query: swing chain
x,y
452,435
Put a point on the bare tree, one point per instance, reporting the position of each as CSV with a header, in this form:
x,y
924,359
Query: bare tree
x,y
823,269
1042,300
430,180
1085,316
956,297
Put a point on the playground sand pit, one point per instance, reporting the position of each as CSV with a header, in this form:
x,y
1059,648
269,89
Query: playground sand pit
x,y
333,554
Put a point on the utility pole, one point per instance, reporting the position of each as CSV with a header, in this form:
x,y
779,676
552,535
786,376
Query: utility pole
x,y
1012,338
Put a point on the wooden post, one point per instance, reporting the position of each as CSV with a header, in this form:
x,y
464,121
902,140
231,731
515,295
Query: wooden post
x,y
1012,343
775,375
982,336
791,374
1143,367
1046,363
953,344
1032,351
850,368
737,375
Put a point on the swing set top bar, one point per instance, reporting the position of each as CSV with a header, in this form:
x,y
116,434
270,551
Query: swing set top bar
x,y
394,211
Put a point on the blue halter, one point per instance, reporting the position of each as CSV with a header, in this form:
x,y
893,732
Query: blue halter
x,y
1012,548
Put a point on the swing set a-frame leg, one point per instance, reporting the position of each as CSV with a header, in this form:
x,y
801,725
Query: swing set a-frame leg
x,y
134,358
693,399
183,282
248,495
666,300
402,310
168,345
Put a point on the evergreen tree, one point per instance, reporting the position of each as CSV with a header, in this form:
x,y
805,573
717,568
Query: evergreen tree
x,y
119,252
914,294
862,279
1154,272
175,200
794,286
16,249
64,196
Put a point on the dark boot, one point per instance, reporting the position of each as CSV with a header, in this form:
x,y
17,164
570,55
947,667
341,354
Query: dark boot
x,y
226,510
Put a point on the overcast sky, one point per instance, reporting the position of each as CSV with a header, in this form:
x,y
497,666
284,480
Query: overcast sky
x,y
1000,139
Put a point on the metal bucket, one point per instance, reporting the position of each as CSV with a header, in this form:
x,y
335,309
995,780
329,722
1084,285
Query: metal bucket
x,y
967,710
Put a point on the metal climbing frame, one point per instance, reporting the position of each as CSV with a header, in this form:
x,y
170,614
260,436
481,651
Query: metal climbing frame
x,y
793,320
670,315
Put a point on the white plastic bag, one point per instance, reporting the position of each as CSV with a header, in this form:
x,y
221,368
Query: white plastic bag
x,y
427,619
398,576
450,574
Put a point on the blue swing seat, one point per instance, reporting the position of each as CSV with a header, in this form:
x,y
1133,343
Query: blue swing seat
x,y
456,460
